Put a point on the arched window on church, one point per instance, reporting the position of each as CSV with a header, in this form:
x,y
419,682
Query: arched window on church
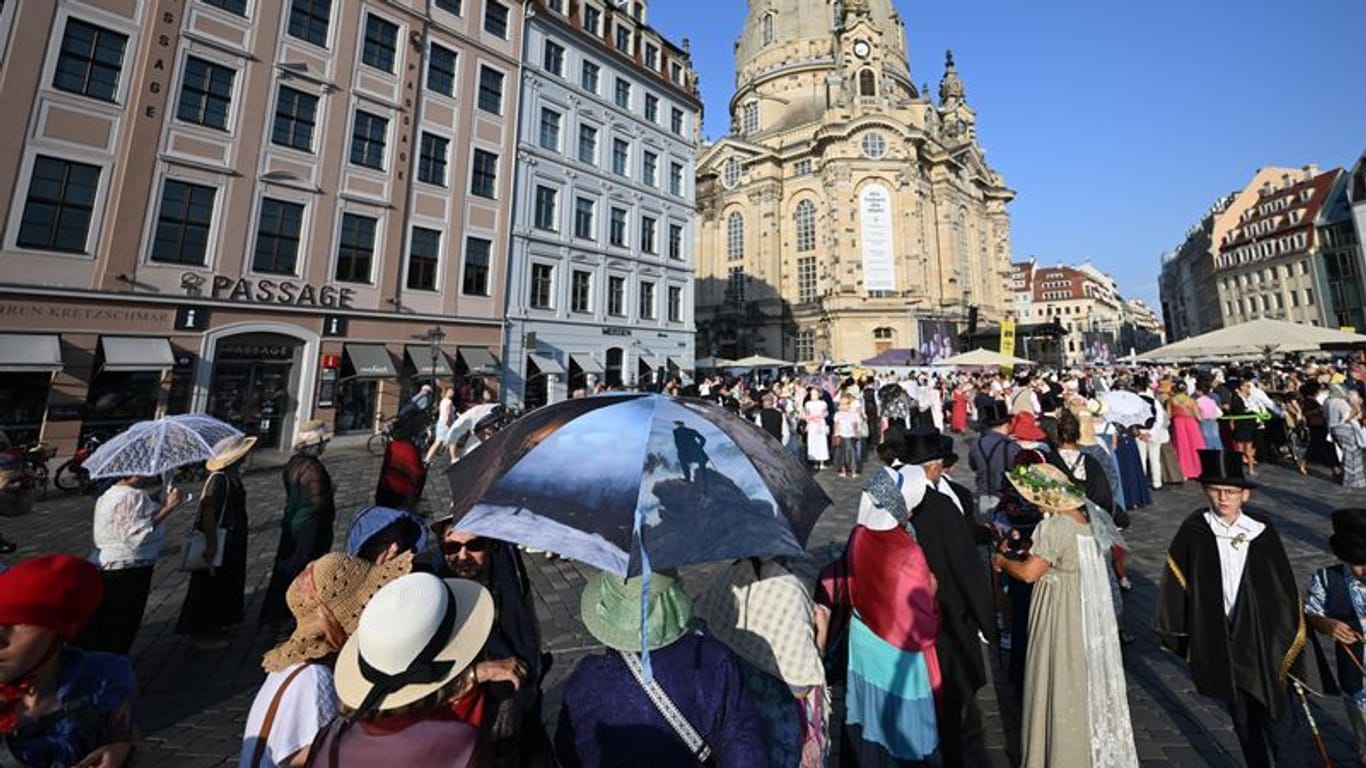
x,y
750,116
805,217
735,237
867,83
768,29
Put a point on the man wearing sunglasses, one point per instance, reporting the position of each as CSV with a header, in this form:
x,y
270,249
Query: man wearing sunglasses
x,y
1229,604
511,663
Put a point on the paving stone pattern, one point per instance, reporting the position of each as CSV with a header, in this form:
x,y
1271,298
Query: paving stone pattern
x,y
193,704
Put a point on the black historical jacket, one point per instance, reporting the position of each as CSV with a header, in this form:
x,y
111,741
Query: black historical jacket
x,y
1262,644
964,594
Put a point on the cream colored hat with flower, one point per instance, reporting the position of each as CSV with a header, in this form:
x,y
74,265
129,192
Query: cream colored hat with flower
x,y
1046,487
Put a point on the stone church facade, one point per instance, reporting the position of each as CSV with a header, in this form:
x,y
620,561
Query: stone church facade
x,y
845,211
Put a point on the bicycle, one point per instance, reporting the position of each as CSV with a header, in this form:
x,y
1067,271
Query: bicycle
x,y
34,457
378,443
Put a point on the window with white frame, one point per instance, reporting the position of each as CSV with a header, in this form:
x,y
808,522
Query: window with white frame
x,y
206,93
550,129
542,286
355,247
583,218
441,70
546,209
676,179
647,300
496,18
806,345
475,281
735,286
649,169
183,222
581,291
616,296
295,119
806,278
676,242
675,304
750,117
588,145
432,159
589,76
616,227
424,259
553,58
735,236
380,47
90,60
805,218
368,136
649,235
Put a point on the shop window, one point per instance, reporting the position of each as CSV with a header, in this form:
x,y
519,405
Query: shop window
x,y
117,400
23,400
612,367
356,400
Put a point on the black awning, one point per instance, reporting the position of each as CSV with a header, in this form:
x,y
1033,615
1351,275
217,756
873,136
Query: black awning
x,y
479,361
420,356
370,361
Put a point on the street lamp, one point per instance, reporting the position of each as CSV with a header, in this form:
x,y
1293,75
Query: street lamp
x,y
434,336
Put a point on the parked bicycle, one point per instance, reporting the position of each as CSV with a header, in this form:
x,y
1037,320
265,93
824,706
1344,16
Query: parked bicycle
x,y
35,457
72,476
379,442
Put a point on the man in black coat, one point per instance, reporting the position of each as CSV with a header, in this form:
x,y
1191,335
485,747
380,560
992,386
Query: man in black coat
x,y
1230,606
965,603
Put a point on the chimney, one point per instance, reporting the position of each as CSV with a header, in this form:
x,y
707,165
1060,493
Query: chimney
x,y
1310,171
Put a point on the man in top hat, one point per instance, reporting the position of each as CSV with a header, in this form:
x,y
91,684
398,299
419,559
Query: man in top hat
x,y
964,597
1228,603
1335,605
992,454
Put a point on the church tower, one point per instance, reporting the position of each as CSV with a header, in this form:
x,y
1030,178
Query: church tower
x,y
846,213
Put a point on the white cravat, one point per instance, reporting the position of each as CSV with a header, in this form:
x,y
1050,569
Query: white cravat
x,y
1233,542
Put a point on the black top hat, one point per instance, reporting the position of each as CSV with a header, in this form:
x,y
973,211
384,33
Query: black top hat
x,y
1348,541
920,446
1222,468
992,413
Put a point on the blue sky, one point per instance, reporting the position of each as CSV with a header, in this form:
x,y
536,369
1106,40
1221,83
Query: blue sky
x,y
1117,124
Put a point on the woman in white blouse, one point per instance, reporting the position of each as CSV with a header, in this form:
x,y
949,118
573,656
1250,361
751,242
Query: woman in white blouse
x,y
129,537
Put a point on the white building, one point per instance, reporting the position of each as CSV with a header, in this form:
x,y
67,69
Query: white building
x,y
601,258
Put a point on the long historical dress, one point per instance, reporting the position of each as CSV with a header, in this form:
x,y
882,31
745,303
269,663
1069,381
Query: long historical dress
x,y
215,598
1186,434
1076,713
817,431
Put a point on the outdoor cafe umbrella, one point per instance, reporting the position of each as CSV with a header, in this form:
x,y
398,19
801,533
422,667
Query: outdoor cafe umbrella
x,y
594,479
1263,337
758,361
981,358
151,448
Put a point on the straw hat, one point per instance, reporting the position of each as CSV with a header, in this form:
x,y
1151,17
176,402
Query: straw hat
x,y
339,584
229,451
611,610
312,432
417,634
1046,487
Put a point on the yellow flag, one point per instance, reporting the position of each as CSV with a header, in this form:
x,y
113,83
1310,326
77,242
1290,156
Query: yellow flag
x,y
1007,341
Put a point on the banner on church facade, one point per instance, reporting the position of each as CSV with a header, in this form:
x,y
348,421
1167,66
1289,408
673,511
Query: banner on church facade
x,y
875,218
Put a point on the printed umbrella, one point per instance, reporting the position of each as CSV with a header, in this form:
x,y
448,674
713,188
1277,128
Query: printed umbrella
x,y
594,478
156,447
1125,408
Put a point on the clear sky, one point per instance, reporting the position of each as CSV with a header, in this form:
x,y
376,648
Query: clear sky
x,y
1117,123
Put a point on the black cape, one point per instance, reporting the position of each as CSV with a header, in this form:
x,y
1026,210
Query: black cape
x,y
1263,642
964,594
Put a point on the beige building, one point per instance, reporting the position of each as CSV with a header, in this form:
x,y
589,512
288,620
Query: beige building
x,y
270,210
846,213
1083,300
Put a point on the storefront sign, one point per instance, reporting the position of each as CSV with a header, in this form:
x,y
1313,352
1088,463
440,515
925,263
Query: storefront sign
x,y
616,332
123,318
191,319
875,216
334,325
255,351
66,412
265,291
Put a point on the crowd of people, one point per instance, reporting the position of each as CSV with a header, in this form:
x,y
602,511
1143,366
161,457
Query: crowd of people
x,y
418,643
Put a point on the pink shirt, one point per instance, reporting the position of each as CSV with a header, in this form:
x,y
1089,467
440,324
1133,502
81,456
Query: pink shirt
x,y
431,743
1207,407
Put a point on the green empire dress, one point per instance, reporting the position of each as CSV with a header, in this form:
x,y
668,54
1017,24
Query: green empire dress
x,y
1076,711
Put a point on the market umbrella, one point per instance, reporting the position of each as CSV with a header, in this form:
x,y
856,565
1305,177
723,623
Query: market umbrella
x,y
593,478
1263,337
156,447
981,358
1126,408
758,361
711,363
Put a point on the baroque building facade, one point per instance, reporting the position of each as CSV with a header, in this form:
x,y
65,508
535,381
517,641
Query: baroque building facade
x,y
845,211
600,267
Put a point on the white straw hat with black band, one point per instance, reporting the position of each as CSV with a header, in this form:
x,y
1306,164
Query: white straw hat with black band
x,y
417,634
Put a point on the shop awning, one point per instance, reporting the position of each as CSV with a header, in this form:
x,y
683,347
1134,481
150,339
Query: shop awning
x,y
589,365
547,364
30,353
135,353
420,355
370,361
479,360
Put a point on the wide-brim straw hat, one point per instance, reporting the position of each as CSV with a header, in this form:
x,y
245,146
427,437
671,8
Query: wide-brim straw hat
x,y
229,451
610,607
312,432
339,584
1046,487
418,625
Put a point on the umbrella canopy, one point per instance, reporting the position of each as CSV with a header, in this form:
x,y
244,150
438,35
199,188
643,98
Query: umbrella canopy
x,y
591,478
982,358
1255,338
1126,408
150,448
758,361
470,418
709,363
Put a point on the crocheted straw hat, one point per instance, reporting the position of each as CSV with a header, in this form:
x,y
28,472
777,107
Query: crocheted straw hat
x,y
1046,487
341,585
229,451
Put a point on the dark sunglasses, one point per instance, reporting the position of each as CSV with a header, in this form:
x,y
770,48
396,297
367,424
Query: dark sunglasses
x,y
474,546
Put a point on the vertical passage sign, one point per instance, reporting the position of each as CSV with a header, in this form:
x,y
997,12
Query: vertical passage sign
x,y
875,216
